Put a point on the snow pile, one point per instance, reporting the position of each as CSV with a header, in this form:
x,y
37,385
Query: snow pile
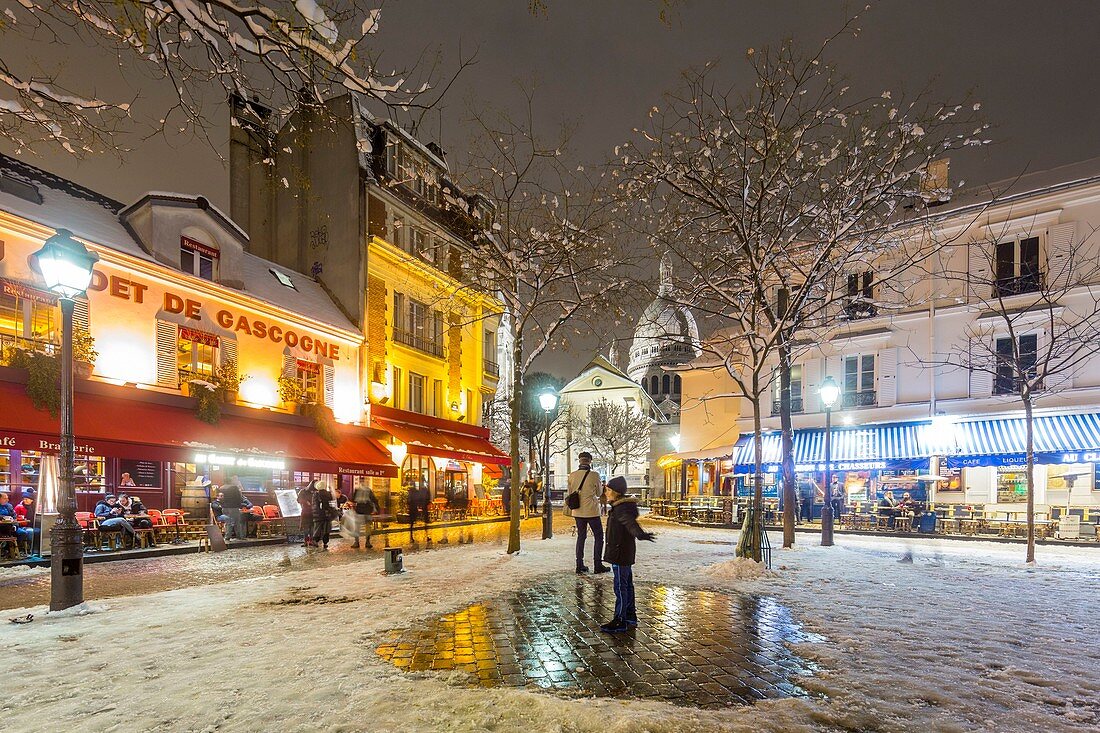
x,y
17,572
739,568
961,639
81,609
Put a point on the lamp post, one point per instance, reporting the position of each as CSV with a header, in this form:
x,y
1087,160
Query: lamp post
x,y
830,393
66,267
549,402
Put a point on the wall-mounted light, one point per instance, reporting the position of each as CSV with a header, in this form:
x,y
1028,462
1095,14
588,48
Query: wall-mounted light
x,y
398,451
380,391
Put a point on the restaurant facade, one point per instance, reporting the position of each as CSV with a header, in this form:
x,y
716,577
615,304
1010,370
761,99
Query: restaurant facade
x,y
204,362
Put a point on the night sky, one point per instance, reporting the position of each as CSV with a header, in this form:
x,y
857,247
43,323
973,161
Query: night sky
x,y
604,64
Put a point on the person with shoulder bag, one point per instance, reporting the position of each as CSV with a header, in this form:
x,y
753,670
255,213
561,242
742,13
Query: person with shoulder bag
x,y
583,504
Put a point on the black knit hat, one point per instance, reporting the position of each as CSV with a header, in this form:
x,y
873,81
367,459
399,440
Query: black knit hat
x,y
617,484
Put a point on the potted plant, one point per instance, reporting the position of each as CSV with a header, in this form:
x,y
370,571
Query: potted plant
x,y
84,353
228,380
291,392
43,377
207,400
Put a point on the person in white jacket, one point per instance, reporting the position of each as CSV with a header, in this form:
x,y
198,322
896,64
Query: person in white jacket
x,y
587,484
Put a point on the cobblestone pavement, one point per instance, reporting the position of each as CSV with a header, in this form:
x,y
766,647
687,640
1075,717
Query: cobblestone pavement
x,y
692,647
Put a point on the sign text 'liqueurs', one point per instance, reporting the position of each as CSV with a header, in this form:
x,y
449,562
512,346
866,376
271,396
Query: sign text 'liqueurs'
x,y
131,290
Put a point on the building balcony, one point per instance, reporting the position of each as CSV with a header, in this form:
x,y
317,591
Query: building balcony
x,y
490,367
796,406
858,308
1006,286
867,398
428,346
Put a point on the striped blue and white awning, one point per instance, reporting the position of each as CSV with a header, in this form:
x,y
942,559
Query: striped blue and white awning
x,y
1058,439
881,446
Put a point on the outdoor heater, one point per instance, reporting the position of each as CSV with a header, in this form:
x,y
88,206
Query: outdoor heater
x,y
66,267
829,393
549,402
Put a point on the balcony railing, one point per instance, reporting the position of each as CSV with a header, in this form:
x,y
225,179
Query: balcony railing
x,y
11,341
428,346
857,308
796,405
1005,286
490,367
867,398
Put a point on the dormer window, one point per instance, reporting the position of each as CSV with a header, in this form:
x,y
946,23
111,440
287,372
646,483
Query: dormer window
x,y
198,259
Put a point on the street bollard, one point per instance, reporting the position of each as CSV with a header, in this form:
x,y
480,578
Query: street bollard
x,y
394,560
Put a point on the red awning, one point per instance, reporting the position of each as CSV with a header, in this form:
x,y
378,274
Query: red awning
x,y
431,436
119,426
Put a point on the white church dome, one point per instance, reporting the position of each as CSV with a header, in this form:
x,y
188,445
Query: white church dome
x,y
666,335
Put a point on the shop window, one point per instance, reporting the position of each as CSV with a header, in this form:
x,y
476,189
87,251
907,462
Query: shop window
x,y
29,319
198,259
1017,267
1011,485
308,375
196,354
416,472
416,392
1014,365
859,381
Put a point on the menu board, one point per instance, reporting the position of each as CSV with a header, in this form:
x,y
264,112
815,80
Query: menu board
x,y
144,473
288,502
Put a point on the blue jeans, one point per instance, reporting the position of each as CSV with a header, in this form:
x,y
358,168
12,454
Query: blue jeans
x,y
117,523
583,523
625,610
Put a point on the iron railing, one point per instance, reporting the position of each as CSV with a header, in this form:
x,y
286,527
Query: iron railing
x,y
866,398
796,405
428,346
490,367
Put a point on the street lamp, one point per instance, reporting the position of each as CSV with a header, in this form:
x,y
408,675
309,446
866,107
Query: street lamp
x,y
829,393
549,402
66,267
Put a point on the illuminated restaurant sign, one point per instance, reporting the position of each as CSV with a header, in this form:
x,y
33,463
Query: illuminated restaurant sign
x,y
135,292
248,461
378,471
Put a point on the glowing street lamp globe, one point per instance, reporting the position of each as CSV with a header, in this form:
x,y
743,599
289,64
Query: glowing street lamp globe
x,y
829,392
548,401
65,264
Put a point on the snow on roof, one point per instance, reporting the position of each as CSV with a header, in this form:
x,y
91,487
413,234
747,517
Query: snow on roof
x,y
65,205
95,218
307,297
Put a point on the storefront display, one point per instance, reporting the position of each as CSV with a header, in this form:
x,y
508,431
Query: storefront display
x,y
1011,485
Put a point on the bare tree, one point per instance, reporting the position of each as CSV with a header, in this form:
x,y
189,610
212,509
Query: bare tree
x,y
1037,324
546,253
287,53
780,187
613,432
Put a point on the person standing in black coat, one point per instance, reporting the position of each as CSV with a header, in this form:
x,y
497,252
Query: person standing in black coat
x,y
323,514
620,551
232,503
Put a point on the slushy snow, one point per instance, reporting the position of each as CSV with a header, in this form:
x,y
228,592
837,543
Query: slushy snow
x,y
964,638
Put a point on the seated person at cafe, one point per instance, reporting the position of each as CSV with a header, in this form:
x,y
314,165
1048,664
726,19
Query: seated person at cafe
x,y
888,507
24,514
111,519
907,504
135,511
8,521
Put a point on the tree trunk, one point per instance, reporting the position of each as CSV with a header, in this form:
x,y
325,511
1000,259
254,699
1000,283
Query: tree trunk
x,y
789,499
758,485
1029,424
513,442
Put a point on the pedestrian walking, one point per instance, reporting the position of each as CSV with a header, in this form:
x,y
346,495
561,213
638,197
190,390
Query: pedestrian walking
x,y
305,500
584,492
622,531
418,501
323,514
358,518
232,500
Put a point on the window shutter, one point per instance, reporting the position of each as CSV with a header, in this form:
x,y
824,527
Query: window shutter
x,y
229,352
834,367
811,380
330,379
290,365
1059,273
978,272
81,317
981,380
167,373
887,367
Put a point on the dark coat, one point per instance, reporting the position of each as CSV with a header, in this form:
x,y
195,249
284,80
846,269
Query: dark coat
x,y
305,500
322,508
234,499
622,529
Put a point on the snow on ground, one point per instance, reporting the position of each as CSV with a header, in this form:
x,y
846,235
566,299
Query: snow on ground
x,y
963,638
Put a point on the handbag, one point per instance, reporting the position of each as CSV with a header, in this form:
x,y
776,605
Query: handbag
x,y
573,501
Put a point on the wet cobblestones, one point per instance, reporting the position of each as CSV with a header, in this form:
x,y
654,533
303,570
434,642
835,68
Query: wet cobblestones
x,y
692,647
